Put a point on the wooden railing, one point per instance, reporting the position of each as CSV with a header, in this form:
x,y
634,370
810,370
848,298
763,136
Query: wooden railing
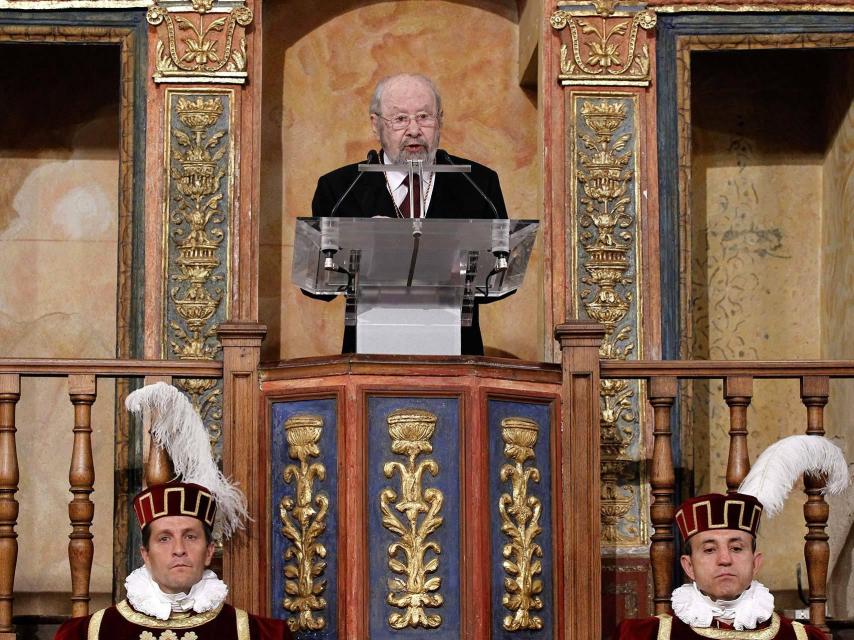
x,y
663,379
82,376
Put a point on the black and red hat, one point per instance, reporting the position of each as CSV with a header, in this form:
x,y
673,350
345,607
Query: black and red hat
x,y
174,499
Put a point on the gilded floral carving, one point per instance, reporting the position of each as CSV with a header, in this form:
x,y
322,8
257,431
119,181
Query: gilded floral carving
x,y
201,47
196,239
520,521
303,518
605,174
413,556
604,50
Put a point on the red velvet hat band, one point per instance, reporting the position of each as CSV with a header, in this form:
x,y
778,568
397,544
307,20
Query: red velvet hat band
x,y
717,511
174,499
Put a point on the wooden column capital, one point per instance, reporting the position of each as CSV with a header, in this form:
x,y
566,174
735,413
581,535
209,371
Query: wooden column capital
x,y
241,333
579,333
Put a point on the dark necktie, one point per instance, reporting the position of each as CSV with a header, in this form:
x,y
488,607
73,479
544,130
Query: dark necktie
x,y
416,198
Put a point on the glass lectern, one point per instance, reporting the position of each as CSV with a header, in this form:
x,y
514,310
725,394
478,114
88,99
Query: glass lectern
x,y
411,283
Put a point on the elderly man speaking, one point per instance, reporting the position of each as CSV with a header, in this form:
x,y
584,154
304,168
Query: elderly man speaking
x,y
406,118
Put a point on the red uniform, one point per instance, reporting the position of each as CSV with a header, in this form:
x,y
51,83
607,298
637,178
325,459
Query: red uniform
x,y
666,627
122,622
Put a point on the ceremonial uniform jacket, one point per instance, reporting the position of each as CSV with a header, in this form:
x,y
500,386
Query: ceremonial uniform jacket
x,y
666,627
122,622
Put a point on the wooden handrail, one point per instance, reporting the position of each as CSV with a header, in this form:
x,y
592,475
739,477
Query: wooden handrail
x,y
106,368
693,369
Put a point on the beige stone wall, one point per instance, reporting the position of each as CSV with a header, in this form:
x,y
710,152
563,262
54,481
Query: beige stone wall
x,y
758,184
837,321
320,69
58,260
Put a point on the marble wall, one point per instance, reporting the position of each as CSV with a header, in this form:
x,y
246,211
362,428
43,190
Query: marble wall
x,y
320,69
58,261
761,179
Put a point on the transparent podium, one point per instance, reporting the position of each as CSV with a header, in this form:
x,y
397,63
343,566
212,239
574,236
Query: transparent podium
x,y
411,284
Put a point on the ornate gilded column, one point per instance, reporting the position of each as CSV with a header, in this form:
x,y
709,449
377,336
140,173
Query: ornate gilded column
x,y
603,54
201,235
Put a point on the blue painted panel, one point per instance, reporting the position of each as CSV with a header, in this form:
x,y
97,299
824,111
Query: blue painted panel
x,y
540,413
280,459
446,453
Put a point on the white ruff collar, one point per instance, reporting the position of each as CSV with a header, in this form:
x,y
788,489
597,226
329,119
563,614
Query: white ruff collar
x,y
145,595
696,609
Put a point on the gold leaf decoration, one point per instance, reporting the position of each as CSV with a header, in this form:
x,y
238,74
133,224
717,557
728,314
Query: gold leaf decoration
x,y
520,516
206,48
603,48
303,517
605,175
411,431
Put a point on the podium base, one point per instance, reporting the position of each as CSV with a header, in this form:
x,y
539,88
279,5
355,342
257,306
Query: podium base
x,y
409,331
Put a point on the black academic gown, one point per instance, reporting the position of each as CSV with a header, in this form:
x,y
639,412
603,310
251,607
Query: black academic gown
x,y
452,197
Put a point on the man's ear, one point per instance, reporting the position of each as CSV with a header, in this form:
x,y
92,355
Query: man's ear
x,y
209,554
375,125
144,553
757,562
687,566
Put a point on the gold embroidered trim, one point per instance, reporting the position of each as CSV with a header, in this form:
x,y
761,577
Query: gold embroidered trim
x,y
242,624
666,622
731,634
177,622
800,631
95,624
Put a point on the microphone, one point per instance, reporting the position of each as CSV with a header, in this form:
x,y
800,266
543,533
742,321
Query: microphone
x,y
373,158
500,231
444,155
329,227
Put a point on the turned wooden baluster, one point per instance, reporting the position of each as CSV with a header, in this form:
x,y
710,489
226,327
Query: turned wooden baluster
x,y
738,391
10,392
814,394
158,467
81,477
662,394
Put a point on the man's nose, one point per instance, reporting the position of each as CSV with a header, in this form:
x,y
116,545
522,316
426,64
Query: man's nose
x,y
412,125
178,549
724,557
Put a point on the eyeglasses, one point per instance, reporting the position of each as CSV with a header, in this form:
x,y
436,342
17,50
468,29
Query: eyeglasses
x,y
401,121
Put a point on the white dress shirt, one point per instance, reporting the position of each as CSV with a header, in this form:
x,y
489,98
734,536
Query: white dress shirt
x,y
399,191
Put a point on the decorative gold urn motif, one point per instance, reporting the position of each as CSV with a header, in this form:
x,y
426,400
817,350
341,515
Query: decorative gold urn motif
x,y
411,431
303,517
207,51
196,174
196,239
520,522
605,172
617,499
604,49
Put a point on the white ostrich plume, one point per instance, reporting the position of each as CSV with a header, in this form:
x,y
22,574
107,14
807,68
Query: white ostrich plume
x,y
775,471
177,427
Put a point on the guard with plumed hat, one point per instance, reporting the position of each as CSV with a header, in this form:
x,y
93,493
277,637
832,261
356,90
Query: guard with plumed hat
x,y
723,599
174,594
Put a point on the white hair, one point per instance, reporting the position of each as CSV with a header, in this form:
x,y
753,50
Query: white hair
x,y
376,99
